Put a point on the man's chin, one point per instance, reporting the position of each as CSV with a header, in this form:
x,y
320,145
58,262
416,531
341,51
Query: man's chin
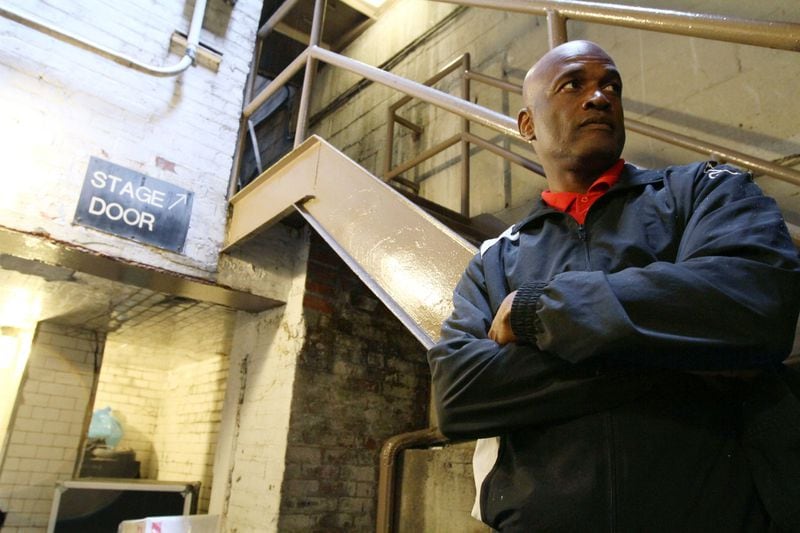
x,y
602,148
600,160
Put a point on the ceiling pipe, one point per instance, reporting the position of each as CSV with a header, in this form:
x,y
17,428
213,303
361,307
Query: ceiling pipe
x,y
193,40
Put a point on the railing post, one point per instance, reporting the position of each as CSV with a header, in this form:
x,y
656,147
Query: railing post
x,y
236,168
256,149
389,145
556,28
308,78
465,177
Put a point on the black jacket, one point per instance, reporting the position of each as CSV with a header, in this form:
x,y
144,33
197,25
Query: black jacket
x,y
604,422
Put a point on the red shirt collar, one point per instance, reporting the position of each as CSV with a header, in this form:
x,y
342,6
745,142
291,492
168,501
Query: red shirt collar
x,y
578,204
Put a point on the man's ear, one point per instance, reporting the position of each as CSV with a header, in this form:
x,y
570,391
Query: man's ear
x,y
525,125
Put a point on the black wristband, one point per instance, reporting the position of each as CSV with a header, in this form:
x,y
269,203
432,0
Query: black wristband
x,y
525,322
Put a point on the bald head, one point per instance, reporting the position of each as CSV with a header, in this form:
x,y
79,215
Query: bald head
x,y
572,114
544,69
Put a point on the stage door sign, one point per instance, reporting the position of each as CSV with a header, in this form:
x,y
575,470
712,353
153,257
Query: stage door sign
x,y
129,204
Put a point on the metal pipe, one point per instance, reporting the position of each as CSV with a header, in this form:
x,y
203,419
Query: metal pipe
x,y
447,69
474,112
408,124
524,162
556,28
273,87
193,37
192,41
276,84
305,96
256,149
766,33
236,165
763,166
465,176
393,117
390,451
308,78
495,82
252,76
276,17
388,146
422,156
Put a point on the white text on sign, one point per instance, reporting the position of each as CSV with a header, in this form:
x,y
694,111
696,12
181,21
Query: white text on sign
x,y
101,180
115,211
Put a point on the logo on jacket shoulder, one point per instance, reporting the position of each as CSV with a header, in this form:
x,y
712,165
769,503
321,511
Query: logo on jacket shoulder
x,y
712,171
509,234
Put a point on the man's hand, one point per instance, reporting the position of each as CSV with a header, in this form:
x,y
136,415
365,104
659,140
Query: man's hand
x,y
501,331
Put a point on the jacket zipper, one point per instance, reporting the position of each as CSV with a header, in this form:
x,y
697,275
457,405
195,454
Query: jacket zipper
x,y
584,237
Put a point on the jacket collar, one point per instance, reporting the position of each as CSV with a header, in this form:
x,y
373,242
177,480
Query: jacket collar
x,y
630,177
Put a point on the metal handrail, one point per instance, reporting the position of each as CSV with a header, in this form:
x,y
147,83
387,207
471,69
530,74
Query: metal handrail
x,y
463,63
465,137
475,113
770,34
718,152
764,33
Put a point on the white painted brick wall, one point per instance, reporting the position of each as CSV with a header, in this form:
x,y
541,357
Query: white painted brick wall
x,y
250,459
134,397
60,105
46,429
187,428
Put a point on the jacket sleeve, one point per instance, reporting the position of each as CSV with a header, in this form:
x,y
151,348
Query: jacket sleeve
x,y
481,388
729,301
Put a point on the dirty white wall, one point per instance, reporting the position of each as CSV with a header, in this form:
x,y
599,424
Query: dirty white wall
x,y
14,351
46,426
65,104
170,417
250,454
437,472
189,414
134,395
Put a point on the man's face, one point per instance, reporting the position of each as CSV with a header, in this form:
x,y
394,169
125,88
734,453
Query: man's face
x,y
573,99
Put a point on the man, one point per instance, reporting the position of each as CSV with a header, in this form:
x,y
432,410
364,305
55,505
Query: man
x,y
603,348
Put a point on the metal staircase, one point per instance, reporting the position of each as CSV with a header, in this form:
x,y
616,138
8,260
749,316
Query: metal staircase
x,y
410,260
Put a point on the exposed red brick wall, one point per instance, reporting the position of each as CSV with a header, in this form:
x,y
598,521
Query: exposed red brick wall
x,y
361,378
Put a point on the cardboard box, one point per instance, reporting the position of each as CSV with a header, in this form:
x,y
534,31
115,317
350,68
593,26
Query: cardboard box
x,y
172,524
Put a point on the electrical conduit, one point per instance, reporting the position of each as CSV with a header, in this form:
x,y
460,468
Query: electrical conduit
x,y
185,62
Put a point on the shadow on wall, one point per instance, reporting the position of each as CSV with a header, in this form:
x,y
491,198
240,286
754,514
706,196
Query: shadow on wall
x,y
701,128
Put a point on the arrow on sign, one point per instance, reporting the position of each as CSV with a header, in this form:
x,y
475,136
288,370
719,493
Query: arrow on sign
x,y
181,198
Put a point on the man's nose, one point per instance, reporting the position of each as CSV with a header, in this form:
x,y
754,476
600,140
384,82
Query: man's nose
x,y
596,100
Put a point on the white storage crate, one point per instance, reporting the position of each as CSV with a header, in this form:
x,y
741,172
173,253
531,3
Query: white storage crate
x,y
203,523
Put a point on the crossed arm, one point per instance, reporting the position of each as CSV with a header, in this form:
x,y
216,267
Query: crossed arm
x,y
729,301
